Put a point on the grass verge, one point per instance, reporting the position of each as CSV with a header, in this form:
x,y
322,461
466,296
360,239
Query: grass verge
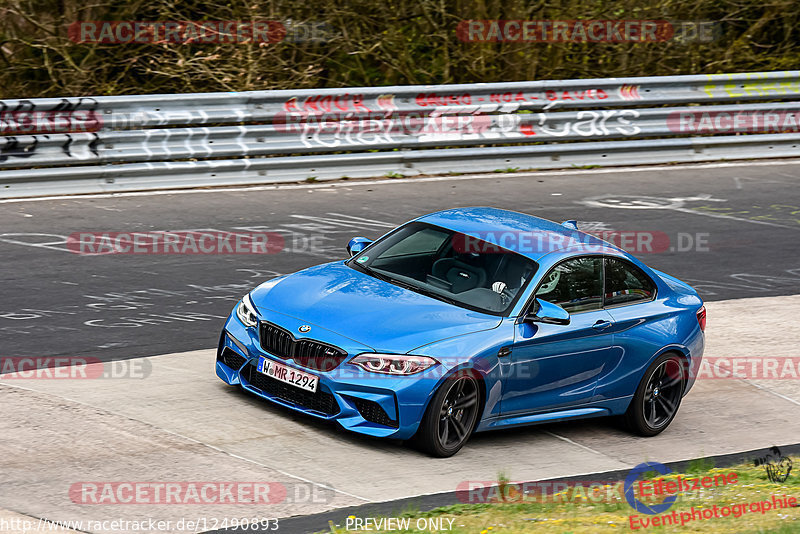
x,y
602,508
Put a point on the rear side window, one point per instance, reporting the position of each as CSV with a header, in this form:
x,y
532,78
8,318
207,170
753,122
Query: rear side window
x,y
626,283
576,284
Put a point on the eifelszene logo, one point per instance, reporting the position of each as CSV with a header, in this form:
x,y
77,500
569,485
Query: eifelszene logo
x,y
630,481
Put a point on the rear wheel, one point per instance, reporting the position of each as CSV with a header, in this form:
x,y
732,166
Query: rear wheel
x,y
658,396
451,416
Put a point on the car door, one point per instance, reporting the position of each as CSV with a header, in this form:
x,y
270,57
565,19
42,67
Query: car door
x,y
642,325
553,366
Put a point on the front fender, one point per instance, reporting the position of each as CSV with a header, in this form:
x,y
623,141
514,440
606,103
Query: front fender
x,y
476,352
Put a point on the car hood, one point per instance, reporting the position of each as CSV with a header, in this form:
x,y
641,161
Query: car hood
x,y
372,312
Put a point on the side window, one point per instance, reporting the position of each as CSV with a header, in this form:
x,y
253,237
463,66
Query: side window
x,y
576,285
626,283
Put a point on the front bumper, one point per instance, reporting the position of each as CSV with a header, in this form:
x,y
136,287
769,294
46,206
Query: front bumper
x,y
368,403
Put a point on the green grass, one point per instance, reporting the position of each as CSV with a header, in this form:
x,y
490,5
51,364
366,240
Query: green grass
x,y
579,515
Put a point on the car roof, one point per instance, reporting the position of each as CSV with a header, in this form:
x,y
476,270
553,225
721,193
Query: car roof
x,y
525,234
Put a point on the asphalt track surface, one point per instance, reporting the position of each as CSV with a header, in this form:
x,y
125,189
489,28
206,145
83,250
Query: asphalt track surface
x,y
731,231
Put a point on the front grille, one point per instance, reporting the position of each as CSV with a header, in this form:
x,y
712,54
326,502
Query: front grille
x,y
373,412
320,401
232,359
308,353
316,355
276,340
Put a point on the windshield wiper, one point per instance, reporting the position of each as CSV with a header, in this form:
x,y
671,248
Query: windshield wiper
x,y
376,274
439,296
411,287
386,278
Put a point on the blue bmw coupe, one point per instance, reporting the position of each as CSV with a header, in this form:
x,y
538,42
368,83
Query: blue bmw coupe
x,y
468,320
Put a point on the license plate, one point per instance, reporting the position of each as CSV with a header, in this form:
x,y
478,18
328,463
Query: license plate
x,y
287,374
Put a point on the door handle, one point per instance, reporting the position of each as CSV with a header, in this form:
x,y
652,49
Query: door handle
x,y
601,324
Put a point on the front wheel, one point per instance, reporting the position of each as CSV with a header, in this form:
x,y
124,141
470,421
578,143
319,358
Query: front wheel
x,y
451,416
658,396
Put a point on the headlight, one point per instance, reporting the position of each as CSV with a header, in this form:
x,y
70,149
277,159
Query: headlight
x,y
393,364
246,312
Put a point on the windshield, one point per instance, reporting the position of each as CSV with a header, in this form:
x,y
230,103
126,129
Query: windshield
x,y
436,262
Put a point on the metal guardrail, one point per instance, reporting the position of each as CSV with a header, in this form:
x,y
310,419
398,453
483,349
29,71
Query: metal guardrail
x,y
161,141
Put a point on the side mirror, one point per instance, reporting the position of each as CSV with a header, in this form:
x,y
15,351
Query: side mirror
x,y
357,244
548,313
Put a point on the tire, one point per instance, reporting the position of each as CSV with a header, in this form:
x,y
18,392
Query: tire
x,y
450,417
658,397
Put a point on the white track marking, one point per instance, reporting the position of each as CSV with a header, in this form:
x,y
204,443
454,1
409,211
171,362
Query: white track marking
x,y
360,183
562,438
768,390
723,216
